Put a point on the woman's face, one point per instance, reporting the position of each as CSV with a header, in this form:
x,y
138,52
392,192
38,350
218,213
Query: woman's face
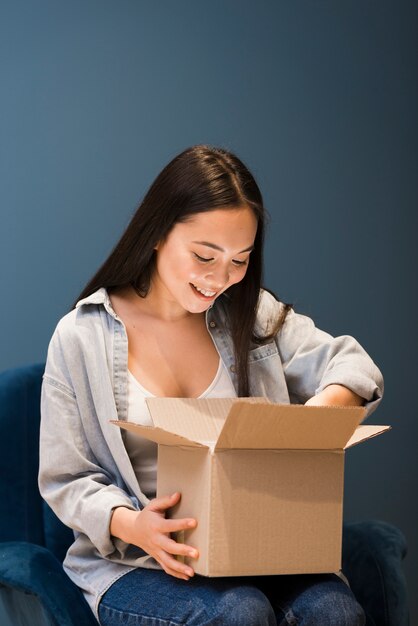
x,y
201,258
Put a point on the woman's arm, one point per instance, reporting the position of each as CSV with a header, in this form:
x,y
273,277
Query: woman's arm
x,y
316,364
336,395
80,492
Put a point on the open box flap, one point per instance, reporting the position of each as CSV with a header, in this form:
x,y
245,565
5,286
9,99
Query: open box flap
x,y
197,419
158,435
284,426
364,432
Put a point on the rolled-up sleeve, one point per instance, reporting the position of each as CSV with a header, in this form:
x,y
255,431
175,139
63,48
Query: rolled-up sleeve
x,y
313,359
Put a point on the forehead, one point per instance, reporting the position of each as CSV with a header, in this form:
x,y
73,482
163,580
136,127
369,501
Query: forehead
x,y
239,224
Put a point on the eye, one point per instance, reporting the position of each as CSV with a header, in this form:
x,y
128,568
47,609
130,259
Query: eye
x,y
202,259
238,263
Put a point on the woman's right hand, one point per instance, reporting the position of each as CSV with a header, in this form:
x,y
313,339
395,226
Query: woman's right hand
x,y
150,530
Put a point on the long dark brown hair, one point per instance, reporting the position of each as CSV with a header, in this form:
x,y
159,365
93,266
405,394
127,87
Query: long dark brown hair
x,y
199,179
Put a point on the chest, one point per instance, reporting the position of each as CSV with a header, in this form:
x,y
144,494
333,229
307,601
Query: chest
x,y
172,360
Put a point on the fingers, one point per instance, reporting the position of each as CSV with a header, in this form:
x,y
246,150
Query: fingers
x,y
181,549
174,525
159,505
165,502
173,567
158,542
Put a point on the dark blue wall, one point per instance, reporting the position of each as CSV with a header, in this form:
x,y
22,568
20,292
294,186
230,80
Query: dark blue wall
x,y
318,97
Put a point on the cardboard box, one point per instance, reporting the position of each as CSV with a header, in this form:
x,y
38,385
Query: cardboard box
x,y
263,480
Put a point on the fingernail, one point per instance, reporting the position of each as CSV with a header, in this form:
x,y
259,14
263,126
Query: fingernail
x,y
193,553
189,572
191,523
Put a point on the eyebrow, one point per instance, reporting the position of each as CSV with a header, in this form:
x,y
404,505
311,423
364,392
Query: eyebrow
x,y
215,247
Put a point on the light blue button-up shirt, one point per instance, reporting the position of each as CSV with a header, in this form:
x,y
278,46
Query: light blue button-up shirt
x,y
85,471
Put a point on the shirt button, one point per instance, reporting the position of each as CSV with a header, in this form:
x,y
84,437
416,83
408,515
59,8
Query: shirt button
x,y
232,367
212,324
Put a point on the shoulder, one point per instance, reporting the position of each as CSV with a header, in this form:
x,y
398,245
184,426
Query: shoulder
x,y
82,322
65,328
270,310
288,327
80,340
268,303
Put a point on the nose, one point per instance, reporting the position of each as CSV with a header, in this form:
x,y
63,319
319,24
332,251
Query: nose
x,y
217,278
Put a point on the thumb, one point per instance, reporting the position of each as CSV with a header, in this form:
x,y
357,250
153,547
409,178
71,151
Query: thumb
x,y
165,502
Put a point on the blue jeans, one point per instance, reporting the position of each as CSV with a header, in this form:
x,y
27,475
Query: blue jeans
x,y
146,597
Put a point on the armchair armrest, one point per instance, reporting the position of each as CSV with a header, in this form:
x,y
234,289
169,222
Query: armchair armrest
x,y
372,561
34,569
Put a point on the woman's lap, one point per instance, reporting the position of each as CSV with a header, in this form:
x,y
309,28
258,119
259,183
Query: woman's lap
x,y
146,597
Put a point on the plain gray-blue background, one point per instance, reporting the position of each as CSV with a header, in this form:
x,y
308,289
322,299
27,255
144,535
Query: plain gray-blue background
x,y
319,98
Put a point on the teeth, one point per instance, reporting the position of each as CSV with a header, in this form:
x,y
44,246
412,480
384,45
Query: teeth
x,y
206,293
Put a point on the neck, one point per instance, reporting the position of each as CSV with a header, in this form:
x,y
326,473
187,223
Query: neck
x,y
162,309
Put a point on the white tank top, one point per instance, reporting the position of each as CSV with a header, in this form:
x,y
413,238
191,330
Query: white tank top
x,y
143,453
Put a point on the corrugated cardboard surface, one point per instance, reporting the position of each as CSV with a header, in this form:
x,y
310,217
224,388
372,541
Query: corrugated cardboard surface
x,y
365,432
276,512
270,512
188,471
197,419
269,426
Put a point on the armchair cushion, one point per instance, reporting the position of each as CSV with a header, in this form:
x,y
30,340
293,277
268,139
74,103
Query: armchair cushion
x,y
34,569
20,608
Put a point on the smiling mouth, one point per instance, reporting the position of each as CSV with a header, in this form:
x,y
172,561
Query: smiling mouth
x,y
205,293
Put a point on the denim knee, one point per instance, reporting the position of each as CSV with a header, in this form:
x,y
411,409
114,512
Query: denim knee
x,y
332,609
245,606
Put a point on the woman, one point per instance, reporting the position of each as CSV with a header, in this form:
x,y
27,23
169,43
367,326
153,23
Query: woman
x,y
177,310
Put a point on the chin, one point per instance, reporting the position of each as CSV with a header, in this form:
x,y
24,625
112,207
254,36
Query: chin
x,y
198,307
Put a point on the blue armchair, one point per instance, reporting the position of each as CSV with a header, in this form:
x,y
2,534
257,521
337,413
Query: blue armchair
x,y
34,588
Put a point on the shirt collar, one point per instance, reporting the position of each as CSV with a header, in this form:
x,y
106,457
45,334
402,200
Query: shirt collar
x,y
98,297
